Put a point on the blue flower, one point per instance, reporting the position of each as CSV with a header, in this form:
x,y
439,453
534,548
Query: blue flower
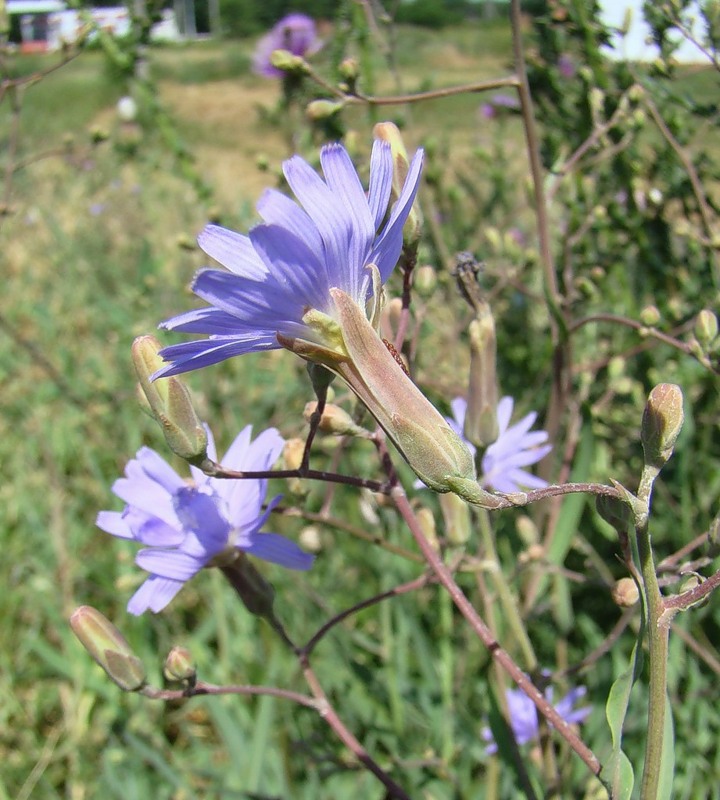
x,y
188,525
524,715
516,446
278,285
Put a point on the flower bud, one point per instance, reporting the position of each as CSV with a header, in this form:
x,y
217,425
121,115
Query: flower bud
x,y
335,421
292,453
426,520
127,109
257,594
180,666
661,423
170,402
323,109
625,593
456,516
706,328
287,62
310,539
108,647
425,281
481,426
349,69
527,530
389,132
650,316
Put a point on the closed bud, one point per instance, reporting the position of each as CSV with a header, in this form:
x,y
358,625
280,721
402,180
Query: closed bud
x,y
389,132
335,421
425,281
257,594
456,516
287,62
323,109
650,316
426,521
180,666
527,530
108,647
625,593
481,426
706,328
349,69
170,402
661,423
292,453
310,539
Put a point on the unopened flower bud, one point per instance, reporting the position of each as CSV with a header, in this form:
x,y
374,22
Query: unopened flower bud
x,y
108,647
349,69
335,421
389,132
311,539
127,109
481,426
706,328
456,517
426,520
292,453
661,423
650,316
323,109
257,594
180,666
625,593
614,511
425,281
287,62
170,402
527,530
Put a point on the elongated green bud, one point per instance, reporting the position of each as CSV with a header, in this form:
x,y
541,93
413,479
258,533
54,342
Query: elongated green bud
x,y
170,403
481,425
389,132
456,515
108,647
661,423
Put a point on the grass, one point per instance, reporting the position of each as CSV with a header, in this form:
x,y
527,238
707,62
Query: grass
x,y
95,253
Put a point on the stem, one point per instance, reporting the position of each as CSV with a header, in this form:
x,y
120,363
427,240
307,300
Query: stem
x,y
486,637
658,630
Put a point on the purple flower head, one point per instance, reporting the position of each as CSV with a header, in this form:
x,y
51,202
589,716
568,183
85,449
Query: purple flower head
x,y
188,525
566,66
280,280
499,104
516,446
295,33
524,715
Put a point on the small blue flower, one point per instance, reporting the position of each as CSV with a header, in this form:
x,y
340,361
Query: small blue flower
x,y
524,715
188,525
516,446
279,280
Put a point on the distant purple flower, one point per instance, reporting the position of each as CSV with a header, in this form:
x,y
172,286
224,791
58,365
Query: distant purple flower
x,y
515,447
279,279
499,103
294,32
188,525
524,715
566,66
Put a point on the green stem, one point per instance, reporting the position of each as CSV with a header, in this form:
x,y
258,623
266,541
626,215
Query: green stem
x,y
658,631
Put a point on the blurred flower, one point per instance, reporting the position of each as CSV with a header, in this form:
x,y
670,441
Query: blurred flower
x,y
566,66
201,523
279,279
294,33
96,209
498,104
524,715
515,447
127,109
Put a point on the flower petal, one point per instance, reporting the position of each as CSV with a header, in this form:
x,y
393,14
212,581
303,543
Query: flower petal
x,y
233,250
172,564
381,173
277,549
154,595
113,522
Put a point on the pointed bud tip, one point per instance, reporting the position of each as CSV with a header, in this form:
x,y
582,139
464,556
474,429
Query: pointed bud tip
x,y
661,423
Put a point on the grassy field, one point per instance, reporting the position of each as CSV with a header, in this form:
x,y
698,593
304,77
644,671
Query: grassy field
x,y
97,247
